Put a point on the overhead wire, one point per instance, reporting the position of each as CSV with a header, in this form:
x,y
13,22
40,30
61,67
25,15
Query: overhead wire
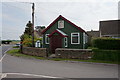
x,y
11,6
48,10
36,21
42,8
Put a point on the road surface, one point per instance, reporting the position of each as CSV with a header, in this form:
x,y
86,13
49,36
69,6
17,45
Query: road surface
x,y
26,67
4,48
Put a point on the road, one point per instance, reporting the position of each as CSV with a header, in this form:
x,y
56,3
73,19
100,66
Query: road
x,y
13,66
3,49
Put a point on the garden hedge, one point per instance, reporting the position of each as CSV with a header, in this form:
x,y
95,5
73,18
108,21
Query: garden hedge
x,y
106,43
106,55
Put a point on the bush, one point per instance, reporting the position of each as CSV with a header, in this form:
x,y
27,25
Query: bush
x,y
106,55
106,43
27,40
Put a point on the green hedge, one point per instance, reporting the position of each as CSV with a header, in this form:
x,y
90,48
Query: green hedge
x,y
106,55
106,43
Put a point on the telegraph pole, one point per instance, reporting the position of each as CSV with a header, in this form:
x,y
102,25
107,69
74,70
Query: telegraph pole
x,y
33,9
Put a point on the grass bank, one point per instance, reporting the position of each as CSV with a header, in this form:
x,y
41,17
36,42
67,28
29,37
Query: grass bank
x,y
15,47
16,52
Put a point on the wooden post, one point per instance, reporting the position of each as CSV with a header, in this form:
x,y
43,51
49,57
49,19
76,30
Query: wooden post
x,y
33,8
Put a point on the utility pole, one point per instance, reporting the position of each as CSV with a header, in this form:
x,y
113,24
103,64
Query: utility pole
x,y
33,8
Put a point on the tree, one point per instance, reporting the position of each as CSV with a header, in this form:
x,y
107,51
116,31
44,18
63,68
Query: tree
x,y
27,36
29,29
27,40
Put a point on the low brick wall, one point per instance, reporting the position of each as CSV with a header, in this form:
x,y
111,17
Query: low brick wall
x,y
42,52
73,53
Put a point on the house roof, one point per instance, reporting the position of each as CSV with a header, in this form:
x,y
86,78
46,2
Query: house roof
x,y
110,27
36,33
59,32
93,33
66,21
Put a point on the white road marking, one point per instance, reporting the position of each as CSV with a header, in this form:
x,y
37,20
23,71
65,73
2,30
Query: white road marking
x,y
2,58
7,50
3,76
4,54
31,75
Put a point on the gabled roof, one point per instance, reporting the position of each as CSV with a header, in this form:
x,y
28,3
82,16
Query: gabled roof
x,y
59,32
66,21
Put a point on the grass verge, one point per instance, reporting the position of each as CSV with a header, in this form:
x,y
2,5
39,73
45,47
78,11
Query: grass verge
x,y
16,52
90,60
15,47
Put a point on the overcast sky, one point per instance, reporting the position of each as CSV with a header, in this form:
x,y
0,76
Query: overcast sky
x,y
85,14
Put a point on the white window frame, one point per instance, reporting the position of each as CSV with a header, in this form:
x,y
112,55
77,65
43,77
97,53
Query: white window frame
x,y
84,38
59,23
42,42
78,37
66,41
46,35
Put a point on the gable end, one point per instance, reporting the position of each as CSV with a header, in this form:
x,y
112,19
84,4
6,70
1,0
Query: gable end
x,y
64,20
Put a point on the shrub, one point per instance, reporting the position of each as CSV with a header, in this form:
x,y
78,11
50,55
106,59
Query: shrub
x,y
27,40
106,55
106,43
